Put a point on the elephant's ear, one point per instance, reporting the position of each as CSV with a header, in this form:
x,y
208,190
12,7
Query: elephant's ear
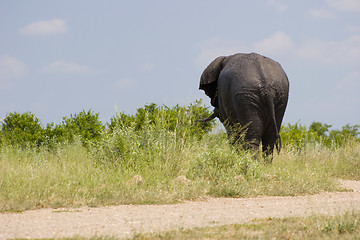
x,y
211,73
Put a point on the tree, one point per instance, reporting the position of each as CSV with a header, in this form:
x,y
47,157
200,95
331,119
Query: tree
x,y
22,129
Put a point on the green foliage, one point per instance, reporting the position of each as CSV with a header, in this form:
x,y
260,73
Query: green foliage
x,y
101,173
85,125
82,162
299,137
179,119
25,129
347,133
319,128
158,131
296,136
21,130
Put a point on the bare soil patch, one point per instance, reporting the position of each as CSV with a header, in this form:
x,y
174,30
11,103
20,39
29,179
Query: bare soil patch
x,y
125,220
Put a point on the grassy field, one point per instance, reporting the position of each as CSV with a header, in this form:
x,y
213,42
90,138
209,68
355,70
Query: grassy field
x,y
167,167
345,226
162,155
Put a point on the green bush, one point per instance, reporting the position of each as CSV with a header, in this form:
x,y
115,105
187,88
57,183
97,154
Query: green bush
x,y
21,130
299,137
347,133
148,122
85,125
320,129
179,119
152,130
24,129
294,135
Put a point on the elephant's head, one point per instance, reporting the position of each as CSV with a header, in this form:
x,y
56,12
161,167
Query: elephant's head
x,y
208,80
208,83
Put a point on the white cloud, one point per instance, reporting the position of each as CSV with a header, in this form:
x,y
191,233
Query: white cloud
x,y
346,91
11,67
63,67
50,27
346,52
217,47
321,13
276,43
279,5
124,84
345,5
351,82
147,67
339,5
352,29
207,55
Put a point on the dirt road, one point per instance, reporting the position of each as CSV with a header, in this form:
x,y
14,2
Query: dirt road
x,y
125,220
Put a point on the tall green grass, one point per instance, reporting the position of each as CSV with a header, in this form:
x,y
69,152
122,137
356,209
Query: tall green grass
x,y
102,173
163,155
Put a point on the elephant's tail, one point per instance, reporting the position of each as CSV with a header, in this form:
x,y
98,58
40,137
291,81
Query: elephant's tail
x,y
277,135
278,143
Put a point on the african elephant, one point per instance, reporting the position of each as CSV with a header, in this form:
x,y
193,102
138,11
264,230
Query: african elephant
x,y
250,92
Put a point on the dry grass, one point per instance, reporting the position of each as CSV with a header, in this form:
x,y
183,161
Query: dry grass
x,y
345,226
72,175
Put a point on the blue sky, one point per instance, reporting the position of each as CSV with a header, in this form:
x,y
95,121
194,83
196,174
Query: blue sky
x,y
60,57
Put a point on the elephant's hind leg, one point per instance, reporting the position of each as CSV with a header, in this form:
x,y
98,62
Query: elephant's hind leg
x,y
253,134
268,142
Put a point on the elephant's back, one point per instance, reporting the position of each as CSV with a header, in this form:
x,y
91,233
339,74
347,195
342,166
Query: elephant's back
x,y
252,71
240,72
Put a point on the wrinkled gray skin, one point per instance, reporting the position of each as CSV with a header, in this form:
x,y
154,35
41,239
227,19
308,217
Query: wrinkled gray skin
x,y
249,90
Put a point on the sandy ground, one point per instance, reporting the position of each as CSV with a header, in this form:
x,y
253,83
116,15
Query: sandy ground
x,y
126,220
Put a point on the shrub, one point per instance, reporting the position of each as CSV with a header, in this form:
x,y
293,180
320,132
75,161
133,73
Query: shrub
x,y
347,133
298,136
85,125
295,136
22,129
179,119
320,128
152,133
